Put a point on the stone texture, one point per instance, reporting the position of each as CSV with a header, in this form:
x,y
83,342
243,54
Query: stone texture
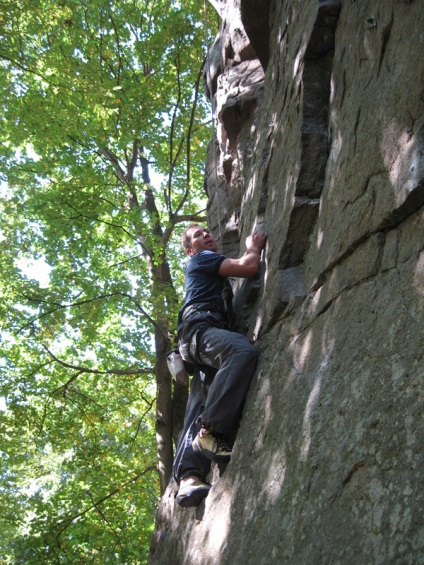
x,y
255,18
234,81
328,155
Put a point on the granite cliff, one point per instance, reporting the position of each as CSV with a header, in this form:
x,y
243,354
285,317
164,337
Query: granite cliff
x,y
319,110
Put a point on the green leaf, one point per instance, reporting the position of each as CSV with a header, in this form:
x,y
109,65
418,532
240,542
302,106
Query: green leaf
x,y
95,97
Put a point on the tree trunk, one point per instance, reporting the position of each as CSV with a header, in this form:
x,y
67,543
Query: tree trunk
x,y
169,414
170,404
163,409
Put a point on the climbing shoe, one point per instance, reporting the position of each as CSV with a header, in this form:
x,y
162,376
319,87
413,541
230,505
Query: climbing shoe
x,y
191,492
213,446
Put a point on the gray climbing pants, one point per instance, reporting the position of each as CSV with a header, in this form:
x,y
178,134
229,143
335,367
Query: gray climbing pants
x,y
216,399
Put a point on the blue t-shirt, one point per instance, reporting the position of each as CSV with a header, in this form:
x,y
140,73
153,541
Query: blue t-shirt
x,y
202,279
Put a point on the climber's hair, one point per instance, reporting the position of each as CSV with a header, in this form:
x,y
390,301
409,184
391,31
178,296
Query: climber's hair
x,y
185,238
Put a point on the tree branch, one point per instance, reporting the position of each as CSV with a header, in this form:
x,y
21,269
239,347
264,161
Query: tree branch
x,y
133,163
81,370
80,303
189,133
119,50
96,219
66,523
194,218
150,404
37,73
114,161
172,159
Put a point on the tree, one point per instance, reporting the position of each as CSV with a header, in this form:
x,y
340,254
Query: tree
x,y
96,97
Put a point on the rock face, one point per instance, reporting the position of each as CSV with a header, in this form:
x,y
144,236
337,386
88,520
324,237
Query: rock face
x,y
321,140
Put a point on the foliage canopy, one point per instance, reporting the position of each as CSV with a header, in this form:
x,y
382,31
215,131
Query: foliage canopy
x,y
97,98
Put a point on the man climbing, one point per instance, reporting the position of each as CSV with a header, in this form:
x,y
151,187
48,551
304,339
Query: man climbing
x,y
224,360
